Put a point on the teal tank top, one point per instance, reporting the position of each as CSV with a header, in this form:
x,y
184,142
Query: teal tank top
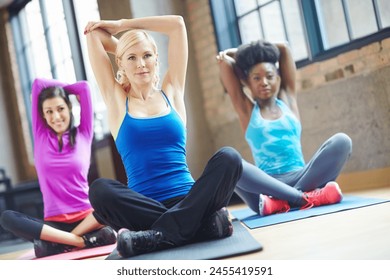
x,y
154,154
275,144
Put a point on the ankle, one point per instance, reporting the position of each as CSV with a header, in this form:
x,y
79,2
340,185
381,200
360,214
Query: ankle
x,y
305,202
329,194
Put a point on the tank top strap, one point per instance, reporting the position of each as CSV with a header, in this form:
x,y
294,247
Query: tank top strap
x,y
127,104
164,95
166,98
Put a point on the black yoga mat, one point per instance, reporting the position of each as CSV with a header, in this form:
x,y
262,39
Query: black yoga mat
x,y
241,242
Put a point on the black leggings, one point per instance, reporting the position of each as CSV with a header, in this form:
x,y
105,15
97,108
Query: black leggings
x,y
120,207
29,228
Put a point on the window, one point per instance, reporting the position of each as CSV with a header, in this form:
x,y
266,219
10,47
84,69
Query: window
x,y
268,20
341,20
49,43
315,29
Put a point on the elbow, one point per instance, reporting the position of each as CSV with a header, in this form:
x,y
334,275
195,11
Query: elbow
x,y
179,21
283,47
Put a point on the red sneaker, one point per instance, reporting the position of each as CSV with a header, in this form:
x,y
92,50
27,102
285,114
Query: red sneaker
x,y
268,205
330,194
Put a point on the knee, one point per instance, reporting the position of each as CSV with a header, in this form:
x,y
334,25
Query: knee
x,y
230,158
99,191
7,219
343,142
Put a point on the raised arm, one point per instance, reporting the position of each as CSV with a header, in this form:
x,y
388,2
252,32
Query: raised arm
x,y
232,84
100,43
174,80
288,71
82,91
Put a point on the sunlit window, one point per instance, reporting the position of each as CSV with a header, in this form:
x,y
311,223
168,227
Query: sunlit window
x,y
344,21
271,20
48,39
315,29
87,10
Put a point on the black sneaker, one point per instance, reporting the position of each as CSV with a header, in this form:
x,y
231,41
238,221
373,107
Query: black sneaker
x,y
217,226
100,237
44,248
131,243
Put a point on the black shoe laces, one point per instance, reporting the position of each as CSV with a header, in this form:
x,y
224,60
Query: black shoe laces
x,y
146,241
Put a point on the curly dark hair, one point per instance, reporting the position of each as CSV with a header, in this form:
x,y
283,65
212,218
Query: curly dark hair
x,y
248,55
51,92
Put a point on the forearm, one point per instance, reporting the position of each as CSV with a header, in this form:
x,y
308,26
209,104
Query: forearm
x,y
163,24
82,91
285,52
228,76
229,55
287,67
100,36
231,52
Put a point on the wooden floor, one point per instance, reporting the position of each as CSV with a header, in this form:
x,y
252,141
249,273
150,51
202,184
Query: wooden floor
x,y
358,234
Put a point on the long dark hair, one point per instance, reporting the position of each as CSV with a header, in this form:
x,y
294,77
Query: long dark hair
x,y
52,92
248,55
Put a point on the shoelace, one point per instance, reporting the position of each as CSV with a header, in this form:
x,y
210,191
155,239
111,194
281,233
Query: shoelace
x,y
146,240
92,241
309,200
100,237
285,208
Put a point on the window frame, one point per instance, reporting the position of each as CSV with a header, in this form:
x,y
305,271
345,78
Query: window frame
x,y
316,52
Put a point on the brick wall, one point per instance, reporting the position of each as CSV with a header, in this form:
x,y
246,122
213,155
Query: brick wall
x,y
360,61
220,115
348,81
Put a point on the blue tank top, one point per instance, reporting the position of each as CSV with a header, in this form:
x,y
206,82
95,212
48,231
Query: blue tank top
x,y
154,155
275,144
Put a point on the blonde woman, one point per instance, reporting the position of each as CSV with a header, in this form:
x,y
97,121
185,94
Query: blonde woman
x,y
162,206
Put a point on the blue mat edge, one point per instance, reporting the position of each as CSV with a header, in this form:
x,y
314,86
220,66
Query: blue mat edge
x,y
251,220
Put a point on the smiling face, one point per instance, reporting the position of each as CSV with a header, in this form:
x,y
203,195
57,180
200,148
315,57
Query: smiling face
x,y
263,81
57,114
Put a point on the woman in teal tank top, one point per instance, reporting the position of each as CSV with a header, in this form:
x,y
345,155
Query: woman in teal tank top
x,y
162,205
269,117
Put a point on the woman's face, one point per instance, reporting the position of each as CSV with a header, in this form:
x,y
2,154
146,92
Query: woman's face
x,y
57,114
263,81
139,63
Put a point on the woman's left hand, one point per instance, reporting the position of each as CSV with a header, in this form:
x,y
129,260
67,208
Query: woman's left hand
x,y
110,26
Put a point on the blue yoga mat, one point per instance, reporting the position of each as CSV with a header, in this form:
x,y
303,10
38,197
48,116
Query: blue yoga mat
x,y
253,220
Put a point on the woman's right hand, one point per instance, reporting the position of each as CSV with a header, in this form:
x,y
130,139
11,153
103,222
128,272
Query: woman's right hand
x,y
110,26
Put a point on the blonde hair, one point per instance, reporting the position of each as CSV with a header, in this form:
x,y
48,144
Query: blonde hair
x,y
126,41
